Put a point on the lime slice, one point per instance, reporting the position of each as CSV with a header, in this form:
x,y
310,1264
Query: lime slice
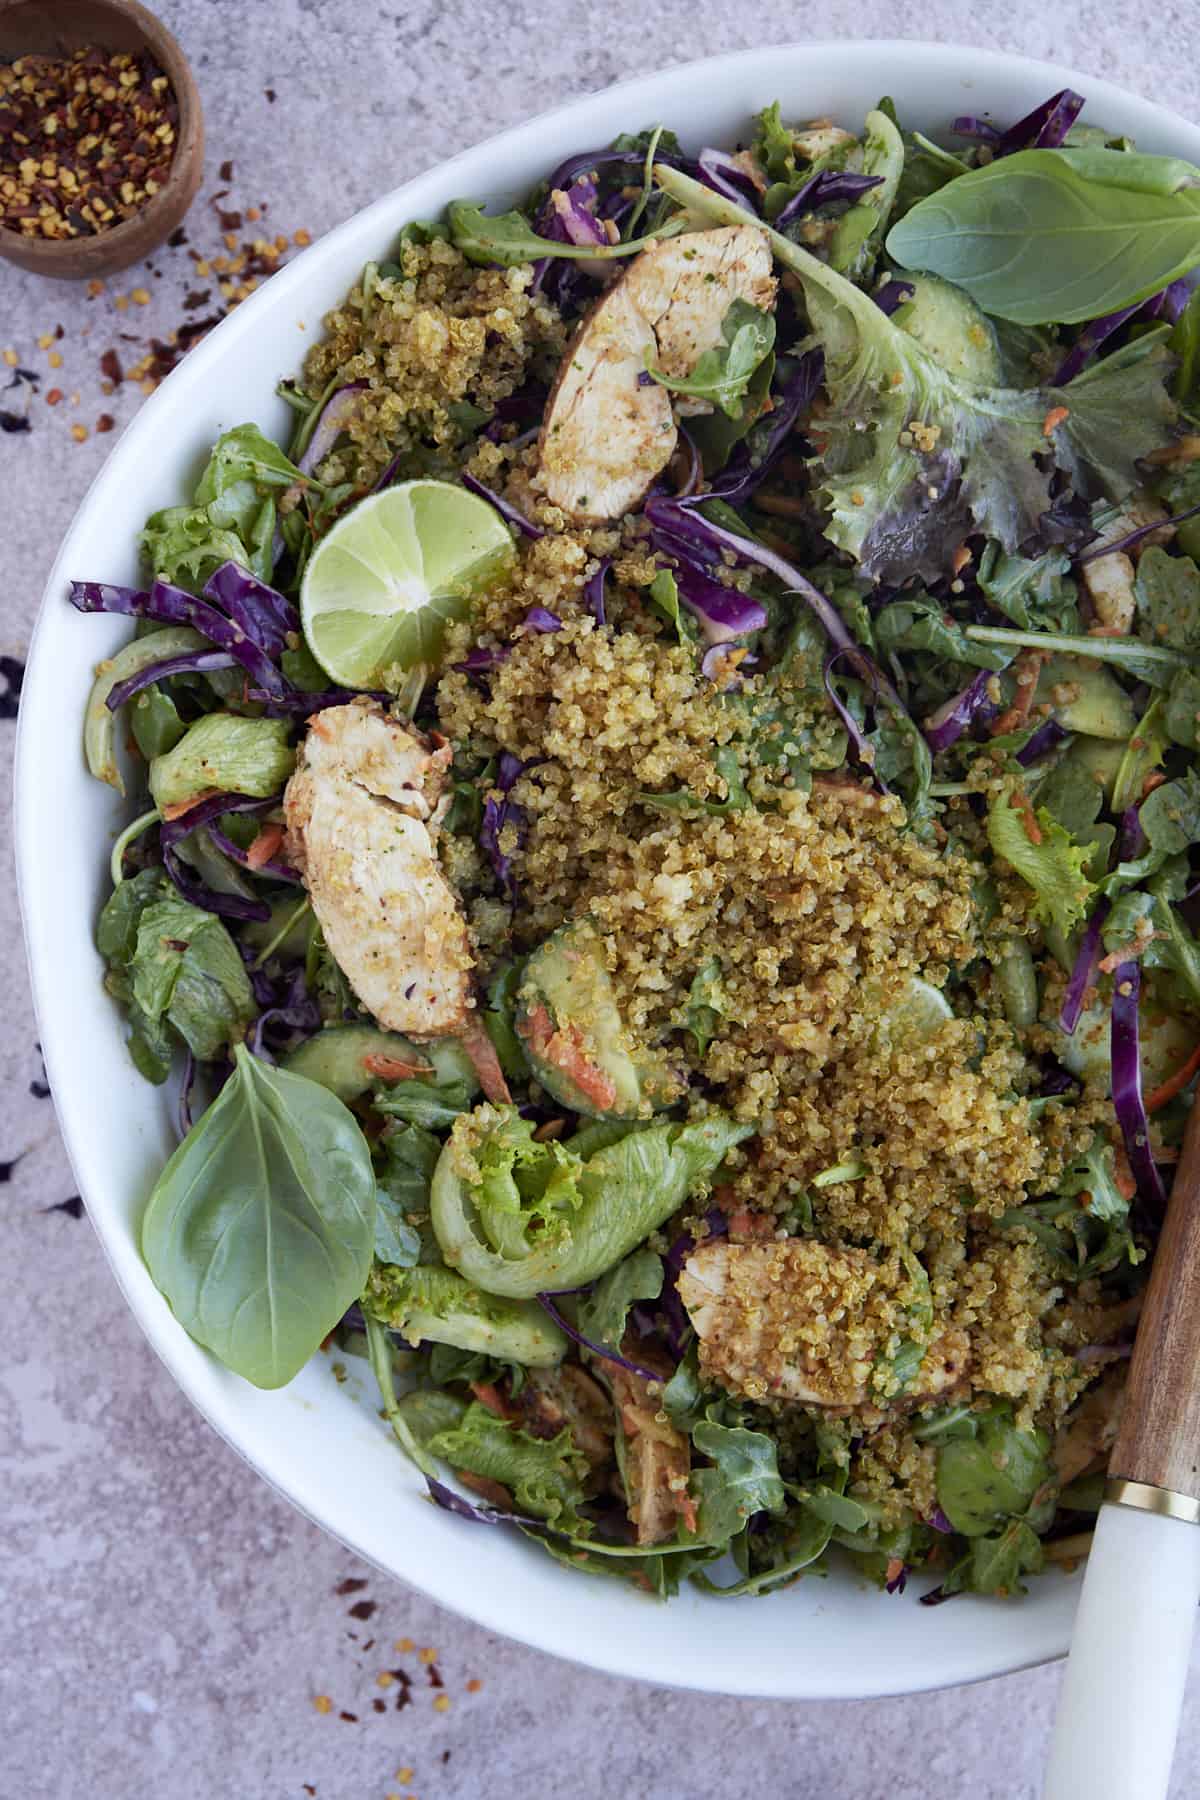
x,y
381,587
918,1011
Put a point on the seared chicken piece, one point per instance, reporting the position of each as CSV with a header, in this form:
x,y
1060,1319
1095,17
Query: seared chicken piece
x,y
788,1320
608,433
361,810
1109,579
658,1458
551,1399
1084,1442
684,286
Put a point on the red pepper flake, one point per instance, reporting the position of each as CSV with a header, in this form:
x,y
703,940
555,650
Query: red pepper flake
x,y
353,1584
350,1718
226,171
110,368
363,1609
271,96
105,423
435,1676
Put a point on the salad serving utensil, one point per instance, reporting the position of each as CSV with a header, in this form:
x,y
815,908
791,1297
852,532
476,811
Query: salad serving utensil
x,y
1119,1706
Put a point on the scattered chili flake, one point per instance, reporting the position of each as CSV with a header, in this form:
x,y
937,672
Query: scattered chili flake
x,y
140,297
54,396
362,1609
405,1645
79,433
11,422
85,140
11,358
474,1686
323,1703
350,1718
72,1206
226,171
385,1679
302,237
6,1168
404,1775
435,1676
104,423
442,1703
353,1584
428,1655
379,1705
94,289
270,93
110,366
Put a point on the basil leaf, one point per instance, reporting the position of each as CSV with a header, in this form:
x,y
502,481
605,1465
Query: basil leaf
x,y
259,1230
1057,236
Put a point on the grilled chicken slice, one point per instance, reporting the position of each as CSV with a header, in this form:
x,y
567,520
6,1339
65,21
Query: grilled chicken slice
x,y
801,1321
607,434
1109,579
361,813
1083,1443
658,1458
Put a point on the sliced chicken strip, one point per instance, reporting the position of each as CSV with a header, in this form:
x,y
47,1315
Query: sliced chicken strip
x,y
1109,579
608,432
360,813
791,1320
684,286
606,437
658,1458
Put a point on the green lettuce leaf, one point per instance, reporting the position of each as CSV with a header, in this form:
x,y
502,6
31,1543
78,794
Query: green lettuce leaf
x,y
993,1475
602,1315
1054,868
545,1476
232,517
723,374
744,1480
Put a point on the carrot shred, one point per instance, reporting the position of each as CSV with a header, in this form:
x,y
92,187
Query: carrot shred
x,y
1154,779
1024,805
269,838
1174,1084
175,809
1054,419
394,1068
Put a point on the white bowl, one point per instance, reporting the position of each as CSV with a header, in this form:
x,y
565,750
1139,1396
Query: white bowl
x,y
320,1444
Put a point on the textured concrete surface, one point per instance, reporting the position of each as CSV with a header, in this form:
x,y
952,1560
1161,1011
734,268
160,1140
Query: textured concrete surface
x,y
167,1623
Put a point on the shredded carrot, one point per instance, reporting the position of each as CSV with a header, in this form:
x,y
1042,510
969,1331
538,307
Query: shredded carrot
x,y
1154,779
269,838
489,1395
175,809
1175,1084
482,1052
1024,805
1026,670
960,559
1126,1185
394,1068
1054,419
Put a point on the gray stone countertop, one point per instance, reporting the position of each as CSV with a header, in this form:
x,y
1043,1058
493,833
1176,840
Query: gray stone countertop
x,y
168,1624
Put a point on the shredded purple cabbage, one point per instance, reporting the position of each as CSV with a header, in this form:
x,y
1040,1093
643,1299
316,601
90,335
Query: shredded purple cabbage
x,y
893,295
196,662
508,512
823,189
1045,128
1089,341
938,1520
230,906
852,727
747,468
899,1582
171,605
546,1301
593,591
1055,1080
335,415
1135,537
541,619
483,658
258,610
450,1502
498,812
293,1018
270,870
1046,738
301,705
722,612
695,468
1084,971
1128,1103
946,725
1131,839
725,174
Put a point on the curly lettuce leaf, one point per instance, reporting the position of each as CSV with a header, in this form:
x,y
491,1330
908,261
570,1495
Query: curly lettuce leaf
x,y
232,518
914,458
545,1476
1053,865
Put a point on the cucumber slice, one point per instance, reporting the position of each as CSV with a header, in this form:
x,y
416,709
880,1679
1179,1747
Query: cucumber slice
x,y
1097,706
948,325
335,1058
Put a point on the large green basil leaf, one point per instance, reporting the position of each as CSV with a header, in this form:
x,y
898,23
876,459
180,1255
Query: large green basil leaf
x,y
260,1228
186,968
1056,237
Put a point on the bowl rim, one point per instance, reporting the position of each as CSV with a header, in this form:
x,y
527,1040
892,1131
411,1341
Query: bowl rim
x,y
556,1633
109,252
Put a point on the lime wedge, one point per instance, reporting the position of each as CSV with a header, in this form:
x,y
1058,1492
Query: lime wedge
x,y
917,1012
381,587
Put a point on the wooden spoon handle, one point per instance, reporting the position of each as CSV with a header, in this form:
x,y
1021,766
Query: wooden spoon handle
x,y
1158,1442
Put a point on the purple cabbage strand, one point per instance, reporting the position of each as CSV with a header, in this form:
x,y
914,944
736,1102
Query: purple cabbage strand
x,y
1128,1103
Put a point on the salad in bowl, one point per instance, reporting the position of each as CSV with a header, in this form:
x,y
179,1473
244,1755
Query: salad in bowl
x,y
659,874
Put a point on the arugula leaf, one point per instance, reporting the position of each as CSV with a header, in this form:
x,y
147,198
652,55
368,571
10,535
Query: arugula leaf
x,y
901,431
684,1395
918,623
259,1229
602,1314
509,239
545,1476
995,1564
1037,593
992,1475
1182,715
1144,752
723,374
1154,663
410,1157
683,800
1057,236
1053,867
1170,821
1173,947
1085,1227
705,1006
745,1479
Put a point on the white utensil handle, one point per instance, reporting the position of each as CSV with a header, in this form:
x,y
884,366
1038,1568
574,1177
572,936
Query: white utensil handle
x,y
1118,1708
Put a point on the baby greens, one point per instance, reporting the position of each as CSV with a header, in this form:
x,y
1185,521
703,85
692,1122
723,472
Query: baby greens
x,y
1058,236
259,1230
723,374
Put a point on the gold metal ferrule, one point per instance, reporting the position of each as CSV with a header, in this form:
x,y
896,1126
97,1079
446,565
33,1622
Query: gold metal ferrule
x,y
1165,1501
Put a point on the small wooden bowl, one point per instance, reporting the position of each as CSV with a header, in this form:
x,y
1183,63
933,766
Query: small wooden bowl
x,y
56,28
